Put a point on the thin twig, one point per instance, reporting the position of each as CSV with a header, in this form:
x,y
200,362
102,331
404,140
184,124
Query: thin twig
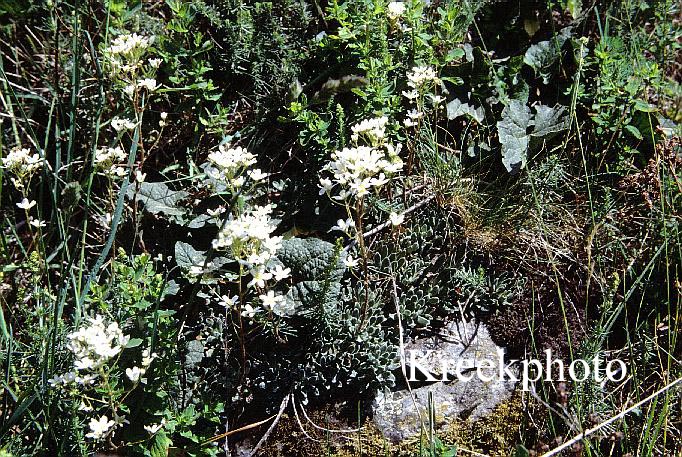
x,y
380,227
282,407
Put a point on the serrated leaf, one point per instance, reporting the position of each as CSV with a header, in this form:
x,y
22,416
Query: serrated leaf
x,y
516,118
542,56
199,221
549,121
308,258
186,256
157,197
456,109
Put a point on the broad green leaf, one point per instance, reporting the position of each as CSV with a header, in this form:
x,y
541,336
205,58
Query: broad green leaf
x,y
542,56
456,109
157,197
549,121
186,256
516,118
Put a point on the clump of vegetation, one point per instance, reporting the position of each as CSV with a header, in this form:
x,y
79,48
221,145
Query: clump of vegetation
x,y
217,214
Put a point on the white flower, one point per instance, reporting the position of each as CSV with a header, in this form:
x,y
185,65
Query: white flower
x,y
280,273
270,299
162,121
100,428
107,160
147,358
95,344
326,185
26,205
373,129
257,175
84,407
129,43
37,223
215,212
350,262
22,164
153,428
436,100
119,124
249,237
148,83
139,176
228,302
395,10
357,170
420,77
155,63
411,94
129,90
412,117
225,167
260,276
396,219
248,311
284,308
344,226
134,373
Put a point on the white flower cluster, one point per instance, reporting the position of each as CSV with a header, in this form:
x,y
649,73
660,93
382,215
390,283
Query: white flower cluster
x,y
22,164
109,161
135,373
357,170
373,130
129,44
93,346
422,82
125,59
249,238
126,51
96,344
225,168
422,76
120,125
395,10
100,428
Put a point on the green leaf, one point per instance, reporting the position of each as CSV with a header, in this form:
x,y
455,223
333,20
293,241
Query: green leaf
x,y
454,54
456,109
542,56
549,121
521,451
308,258
133,343
641,105
634,131
161,445
158,198
186,256
516,118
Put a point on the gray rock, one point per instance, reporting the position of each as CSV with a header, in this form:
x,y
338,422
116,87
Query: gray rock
x,y
403,414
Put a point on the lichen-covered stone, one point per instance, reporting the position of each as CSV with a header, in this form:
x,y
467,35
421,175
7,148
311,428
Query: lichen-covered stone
x,y
404,414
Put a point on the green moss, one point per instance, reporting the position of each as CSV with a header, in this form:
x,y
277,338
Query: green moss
x,y
495,435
